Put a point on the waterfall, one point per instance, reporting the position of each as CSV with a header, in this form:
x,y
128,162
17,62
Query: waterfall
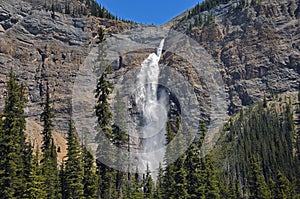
x,y
153,109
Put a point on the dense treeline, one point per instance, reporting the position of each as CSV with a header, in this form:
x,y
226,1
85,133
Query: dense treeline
x,y
207,5
260,153
203,15
25,174
85,8
258,158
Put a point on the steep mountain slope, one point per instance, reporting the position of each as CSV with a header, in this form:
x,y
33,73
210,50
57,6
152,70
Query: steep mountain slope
x,y
257,45
41,46
266,133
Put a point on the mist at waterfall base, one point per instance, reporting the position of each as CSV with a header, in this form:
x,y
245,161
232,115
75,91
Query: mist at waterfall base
x,y
152,105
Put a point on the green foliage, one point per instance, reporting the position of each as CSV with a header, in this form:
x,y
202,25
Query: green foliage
x,y
13,148
73,173
107,175
257,184
47,119
189,176
100,36
49,158
207,5
265,134
90,179
103,90
35,188
148,185
87,7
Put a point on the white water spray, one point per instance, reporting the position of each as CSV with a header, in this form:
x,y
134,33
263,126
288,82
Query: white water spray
x,y
153,111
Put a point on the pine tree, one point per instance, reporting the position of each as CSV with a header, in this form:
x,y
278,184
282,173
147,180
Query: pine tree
x,y
258,186
90,179
175,176
136,189
148,185
73,174
212,185
103,90
105,151
35,188
168,179
12,142
158,193
194,168
62,178
201,173
282,187
49,159
100,36
195,176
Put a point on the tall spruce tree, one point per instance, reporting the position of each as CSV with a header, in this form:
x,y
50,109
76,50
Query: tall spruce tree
x,y
35,188
175,175
258,186
107,175
193,166
12,142
148,185
49,158
73,174
90,178
282,187
158,193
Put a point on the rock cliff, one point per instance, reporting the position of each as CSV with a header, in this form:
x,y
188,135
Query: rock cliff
x,y
256,47
256,44
40,48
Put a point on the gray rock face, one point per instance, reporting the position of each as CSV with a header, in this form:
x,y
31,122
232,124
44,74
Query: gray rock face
x,y
41,49
257,50
257,47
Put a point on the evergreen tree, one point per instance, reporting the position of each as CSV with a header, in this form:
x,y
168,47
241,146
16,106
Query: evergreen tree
x,y
100,36
168,178
52,11
158,193
148,185
73,174
282,187
35,188
175,175
103,90
258,186
136,189
105,151
12,142
49,159
212,185
195,175
201,172
62,178
90,181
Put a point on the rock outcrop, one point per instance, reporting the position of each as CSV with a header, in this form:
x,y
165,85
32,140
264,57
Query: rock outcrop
x,y
40,48
257,47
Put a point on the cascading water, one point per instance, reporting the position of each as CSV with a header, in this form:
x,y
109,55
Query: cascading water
x,y
153,112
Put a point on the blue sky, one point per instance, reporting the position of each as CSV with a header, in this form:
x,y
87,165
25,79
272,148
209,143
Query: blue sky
x,y
157,12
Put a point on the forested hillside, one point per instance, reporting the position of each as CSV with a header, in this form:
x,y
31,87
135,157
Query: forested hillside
x,y
257,157
259,153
